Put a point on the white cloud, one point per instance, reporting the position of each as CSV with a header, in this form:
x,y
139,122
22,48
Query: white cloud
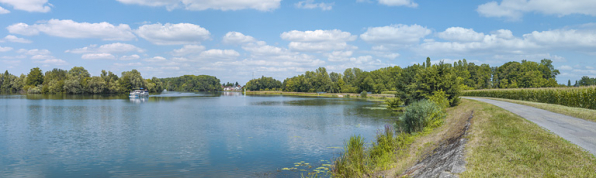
x,y
310,4
504,43
318,36
362,62
98,56
460,34
188,49
170,68
407,3
29,5
514,9
133,64
237,38
173,34
198,5
339,55
156,59
564,38
131,57
33,52
387,55
218,54
5,49
262,54
107,48
395,34
318,40
4,11
42,56
321,46
58,62
12,38
72,29
22,29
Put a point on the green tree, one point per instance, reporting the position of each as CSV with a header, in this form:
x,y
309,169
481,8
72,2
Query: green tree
x,y
439,77
35,77
96,85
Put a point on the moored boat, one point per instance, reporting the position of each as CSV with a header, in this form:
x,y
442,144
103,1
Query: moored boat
x,y
139,93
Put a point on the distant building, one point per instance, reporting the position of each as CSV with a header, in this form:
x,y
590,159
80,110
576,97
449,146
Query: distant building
x,y
232,88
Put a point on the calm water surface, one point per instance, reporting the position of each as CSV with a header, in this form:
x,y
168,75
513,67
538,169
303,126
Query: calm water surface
x,y
177,134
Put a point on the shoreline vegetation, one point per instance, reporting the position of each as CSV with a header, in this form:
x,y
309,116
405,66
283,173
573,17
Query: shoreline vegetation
x,y
78,81
499,144
327,95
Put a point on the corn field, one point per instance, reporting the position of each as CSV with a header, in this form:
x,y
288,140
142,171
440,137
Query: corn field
x,y
583,97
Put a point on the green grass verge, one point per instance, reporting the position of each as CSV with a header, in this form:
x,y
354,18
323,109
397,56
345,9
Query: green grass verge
x,y
582,113
503,144
328,95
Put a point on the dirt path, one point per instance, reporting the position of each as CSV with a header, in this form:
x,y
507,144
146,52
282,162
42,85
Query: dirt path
x,y
445,161
575,130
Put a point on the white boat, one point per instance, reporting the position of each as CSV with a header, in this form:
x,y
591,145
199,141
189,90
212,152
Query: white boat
x,y
138,94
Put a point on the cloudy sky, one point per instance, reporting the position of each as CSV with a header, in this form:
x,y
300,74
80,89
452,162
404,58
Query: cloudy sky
x,y
234,39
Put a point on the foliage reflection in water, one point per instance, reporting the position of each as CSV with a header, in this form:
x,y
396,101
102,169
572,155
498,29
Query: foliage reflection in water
x,y
177,134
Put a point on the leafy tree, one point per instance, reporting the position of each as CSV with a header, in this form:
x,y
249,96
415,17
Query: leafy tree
x,y
135,79
35,77
439,77
263,83
96,85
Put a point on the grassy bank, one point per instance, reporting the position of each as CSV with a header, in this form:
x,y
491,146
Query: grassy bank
x,y
390,155
329,95
582,113
503,144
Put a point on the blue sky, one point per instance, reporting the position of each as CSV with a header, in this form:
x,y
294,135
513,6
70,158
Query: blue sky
x,y
232,39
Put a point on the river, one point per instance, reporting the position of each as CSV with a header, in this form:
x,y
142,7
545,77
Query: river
x,y
178,134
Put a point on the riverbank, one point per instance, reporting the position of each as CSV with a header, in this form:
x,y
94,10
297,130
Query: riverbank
x,y
328,95
497,144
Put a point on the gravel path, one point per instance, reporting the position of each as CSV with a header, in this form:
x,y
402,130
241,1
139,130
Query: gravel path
x,y
577,131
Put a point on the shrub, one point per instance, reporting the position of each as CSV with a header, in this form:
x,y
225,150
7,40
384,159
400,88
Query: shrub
x,y
440,98
363,94
419,115
35,90
393,103
353,162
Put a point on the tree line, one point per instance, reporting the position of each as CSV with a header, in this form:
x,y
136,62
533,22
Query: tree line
x,y
78,81
415,81
584,81
524,74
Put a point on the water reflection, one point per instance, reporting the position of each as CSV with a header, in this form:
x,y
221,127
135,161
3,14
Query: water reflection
x,y
176,134
139,100
74,97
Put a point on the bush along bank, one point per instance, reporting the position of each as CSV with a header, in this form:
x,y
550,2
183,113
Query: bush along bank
x,y
418,119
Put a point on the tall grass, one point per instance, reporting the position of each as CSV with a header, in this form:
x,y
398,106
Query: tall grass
x,y
583,97
357,160
419,115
